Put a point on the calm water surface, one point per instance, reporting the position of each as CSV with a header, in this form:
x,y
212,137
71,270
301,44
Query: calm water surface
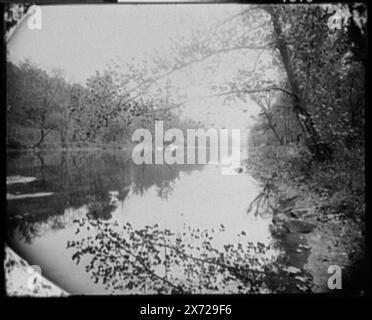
x,y
170,216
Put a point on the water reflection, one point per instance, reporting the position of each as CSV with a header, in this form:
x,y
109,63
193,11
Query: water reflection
x,y
155,260
80,179
141,228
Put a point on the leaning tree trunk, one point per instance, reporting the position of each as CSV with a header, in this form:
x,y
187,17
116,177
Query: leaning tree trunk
x,y
41,139
312,139
63,135
272,127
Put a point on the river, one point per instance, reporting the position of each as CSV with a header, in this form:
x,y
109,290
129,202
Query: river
x,y
96,223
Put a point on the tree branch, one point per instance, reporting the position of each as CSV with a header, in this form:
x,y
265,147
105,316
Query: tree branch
x,y
250,91
150,82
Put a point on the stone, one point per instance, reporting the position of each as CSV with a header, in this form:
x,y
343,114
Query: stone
x,y
301,279
287,203
280,218
278,230
299,226
302,287
302,212
303,246
292,270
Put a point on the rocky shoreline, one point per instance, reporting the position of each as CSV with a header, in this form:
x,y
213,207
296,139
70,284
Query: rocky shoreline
x,y
313,238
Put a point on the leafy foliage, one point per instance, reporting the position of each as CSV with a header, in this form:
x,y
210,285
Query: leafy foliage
x,y
156,260
57,112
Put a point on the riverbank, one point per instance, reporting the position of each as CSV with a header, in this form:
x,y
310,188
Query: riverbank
x,y
316,232
91,147
23,280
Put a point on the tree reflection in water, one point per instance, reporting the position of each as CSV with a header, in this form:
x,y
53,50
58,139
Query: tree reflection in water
x,y
150,260
155,260
79,179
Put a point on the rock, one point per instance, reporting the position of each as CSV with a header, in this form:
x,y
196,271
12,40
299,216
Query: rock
x,y
292,270
287,212
322,219
278,230
310,215
302,212
297,213
303,246
287,203
293,225
280,218
299,226
302,288
301,279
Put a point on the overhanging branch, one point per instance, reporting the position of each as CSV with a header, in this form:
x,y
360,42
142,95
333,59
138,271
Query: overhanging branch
x,y
150,82
240,91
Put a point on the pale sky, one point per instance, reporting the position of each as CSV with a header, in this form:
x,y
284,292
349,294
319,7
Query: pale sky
x,y
80,39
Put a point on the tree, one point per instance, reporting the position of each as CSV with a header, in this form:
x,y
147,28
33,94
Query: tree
x,y
40,103
69,102
33,97
304,50
267,112
155,260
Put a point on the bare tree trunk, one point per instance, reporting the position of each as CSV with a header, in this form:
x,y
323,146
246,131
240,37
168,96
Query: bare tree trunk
x,y
63,140
312,139
42,132
267,112
278,138
285,130
42,136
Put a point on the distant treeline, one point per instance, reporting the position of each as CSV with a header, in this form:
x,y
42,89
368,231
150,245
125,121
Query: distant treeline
x,y
43,109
